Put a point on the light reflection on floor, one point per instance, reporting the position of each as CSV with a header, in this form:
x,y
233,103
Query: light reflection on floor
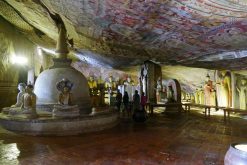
x,y
190,139
8,153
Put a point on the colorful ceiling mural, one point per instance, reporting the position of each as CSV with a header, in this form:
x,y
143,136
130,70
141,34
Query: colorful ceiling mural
x,y
165,31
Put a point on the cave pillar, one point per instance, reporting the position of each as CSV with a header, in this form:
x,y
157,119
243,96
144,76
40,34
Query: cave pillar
x,y
150,73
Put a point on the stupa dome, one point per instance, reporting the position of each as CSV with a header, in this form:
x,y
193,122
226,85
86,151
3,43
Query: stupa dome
x,y
47,93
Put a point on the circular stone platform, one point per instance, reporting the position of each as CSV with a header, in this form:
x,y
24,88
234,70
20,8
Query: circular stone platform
x,y
47,125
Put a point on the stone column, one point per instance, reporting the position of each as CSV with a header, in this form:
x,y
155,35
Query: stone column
x,y
153,73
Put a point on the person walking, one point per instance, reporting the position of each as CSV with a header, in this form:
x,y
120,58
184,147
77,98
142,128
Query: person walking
x,y
126,104
136,101
118,100
143,101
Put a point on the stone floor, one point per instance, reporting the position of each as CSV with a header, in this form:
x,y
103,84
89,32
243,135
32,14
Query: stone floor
x,y
185,140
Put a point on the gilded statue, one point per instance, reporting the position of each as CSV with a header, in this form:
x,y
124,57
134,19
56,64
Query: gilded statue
x,y
110,85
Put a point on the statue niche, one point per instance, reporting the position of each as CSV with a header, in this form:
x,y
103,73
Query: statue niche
x,y
173,105
65,107
174,91
224,91
242,94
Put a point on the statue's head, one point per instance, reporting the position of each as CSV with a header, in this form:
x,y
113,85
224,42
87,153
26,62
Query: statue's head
x,y
207,78
21,87
129,79
223,72
243,81
66,89
29,88
91,78
110,79
64,85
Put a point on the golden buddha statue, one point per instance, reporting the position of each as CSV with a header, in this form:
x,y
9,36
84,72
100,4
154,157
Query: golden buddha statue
x,y
93,91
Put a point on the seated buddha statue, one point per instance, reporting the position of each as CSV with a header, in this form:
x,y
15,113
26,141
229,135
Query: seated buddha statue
x,y
65,107
28,106
19,101
110,85
93,91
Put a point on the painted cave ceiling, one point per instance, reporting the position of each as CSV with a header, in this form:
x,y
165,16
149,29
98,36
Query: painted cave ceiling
x,y
200,33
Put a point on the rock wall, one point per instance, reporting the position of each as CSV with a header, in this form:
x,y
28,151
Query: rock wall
x,y
104,73
12,43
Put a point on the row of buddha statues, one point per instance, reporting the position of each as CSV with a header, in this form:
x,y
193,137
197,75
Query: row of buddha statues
x,y
26,102
221,92
215,93
103,92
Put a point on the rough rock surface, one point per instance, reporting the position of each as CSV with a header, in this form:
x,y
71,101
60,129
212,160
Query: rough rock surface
x,y
127,32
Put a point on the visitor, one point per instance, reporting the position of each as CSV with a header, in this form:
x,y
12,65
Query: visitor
x,y
118,100
143,101
126,103
136,101
112,99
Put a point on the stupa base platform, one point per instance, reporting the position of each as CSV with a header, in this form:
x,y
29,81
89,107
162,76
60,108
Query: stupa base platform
x,y
46,125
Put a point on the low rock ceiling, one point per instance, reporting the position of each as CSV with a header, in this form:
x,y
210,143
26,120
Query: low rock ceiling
x,y
128,32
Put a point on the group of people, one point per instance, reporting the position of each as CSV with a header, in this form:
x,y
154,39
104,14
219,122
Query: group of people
x,y
138,102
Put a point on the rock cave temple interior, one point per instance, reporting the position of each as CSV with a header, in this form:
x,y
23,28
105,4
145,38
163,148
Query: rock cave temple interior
x,y
135,82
